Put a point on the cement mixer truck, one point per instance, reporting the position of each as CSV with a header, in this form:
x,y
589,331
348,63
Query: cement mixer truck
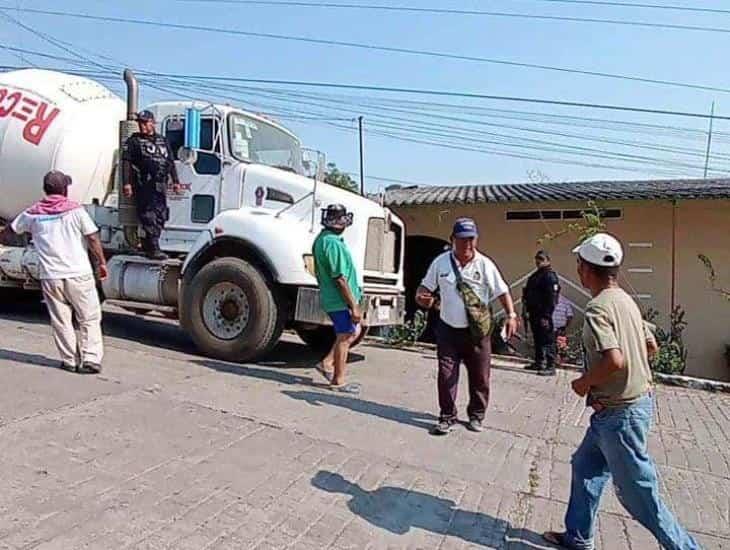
x,y
240,230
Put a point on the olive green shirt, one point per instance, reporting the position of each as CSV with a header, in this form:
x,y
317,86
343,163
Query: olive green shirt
x,y
332,259
613,321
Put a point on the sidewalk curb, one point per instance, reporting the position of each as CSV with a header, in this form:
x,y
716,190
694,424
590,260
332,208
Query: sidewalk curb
x,y
703,384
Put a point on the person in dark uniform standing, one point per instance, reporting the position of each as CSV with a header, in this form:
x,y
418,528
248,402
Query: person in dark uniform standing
x,y
153,164
539,299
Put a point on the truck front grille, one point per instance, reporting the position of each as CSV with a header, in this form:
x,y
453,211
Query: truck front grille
x,y
383,247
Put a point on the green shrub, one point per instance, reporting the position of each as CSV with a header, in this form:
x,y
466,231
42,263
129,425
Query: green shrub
x,y
672,355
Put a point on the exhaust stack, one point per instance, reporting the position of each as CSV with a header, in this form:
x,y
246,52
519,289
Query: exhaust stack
x,y
132,94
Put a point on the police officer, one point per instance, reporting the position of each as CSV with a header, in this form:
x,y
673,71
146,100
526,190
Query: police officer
x,y
152,163
540,297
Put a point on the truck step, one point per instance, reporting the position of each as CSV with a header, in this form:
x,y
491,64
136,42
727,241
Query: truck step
x,y
141,306
171,262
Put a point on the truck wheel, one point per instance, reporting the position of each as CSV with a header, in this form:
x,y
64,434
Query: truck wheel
x,y
321,338
230,311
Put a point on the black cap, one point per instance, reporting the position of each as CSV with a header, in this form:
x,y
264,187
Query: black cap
x,y
56,182
144,116
336,216
542,255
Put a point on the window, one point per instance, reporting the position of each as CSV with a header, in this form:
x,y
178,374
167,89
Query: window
x,y
538,215
278,196
253,140
207,164
526,215
203,208
605,213
175,134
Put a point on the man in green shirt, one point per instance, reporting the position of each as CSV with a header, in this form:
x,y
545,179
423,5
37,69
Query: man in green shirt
x,y
339,290
618,385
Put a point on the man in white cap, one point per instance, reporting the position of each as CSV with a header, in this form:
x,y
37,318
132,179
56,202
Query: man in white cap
x,y
617,382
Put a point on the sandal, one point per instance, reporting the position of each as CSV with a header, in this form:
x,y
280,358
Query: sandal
x,y
327,374
351,388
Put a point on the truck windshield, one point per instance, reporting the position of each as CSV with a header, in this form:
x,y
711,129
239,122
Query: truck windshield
x,y
253,140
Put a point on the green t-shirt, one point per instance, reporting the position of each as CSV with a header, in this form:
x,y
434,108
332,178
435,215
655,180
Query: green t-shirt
x,y
332,259
613,321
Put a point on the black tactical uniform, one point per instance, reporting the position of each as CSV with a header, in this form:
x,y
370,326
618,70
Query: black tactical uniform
x,y
153,164
540,298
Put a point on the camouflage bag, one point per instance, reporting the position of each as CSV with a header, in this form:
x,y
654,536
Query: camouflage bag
x,y
477,312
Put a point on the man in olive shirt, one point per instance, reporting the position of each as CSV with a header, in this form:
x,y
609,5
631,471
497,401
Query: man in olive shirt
x,y
339,290
618,385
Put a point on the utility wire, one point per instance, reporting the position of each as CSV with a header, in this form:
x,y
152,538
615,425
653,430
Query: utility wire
x,y
423,91
463,12
609,3
373,47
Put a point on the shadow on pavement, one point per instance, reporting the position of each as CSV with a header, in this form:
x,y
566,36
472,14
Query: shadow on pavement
x,y
25,307
398,510
29,358
388,412
277,375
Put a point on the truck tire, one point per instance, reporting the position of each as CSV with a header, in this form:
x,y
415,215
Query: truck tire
x,y
230,311
321,339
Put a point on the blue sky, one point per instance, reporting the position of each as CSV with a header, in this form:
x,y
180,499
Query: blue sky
x,y
686,56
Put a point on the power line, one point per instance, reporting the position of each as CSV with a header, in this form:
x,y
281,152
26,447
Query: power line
x,y
454,140
610,3
421,91
470,135
464,12
358,108
373,47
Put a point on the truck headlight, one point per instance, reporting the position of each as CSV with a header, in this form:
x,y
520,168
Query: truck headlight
x,y
309,264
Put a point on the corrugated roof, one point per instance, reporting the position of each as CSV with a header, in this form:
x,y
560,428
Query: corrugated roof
x,y
551,192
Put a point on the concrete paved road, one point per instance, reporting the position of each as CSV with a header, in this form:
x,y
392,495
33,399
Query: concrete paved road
x,y
167,449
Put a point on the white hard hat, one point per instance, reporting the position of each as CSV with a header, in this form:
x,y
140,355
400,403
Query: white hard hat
x,y
601,249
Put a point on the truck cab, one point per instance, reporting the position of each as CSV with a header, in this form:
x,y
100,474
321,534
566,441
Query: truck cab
x,y
248,194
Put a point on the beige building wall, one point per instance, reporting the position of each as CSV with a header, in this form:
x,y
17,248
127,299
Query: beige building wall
x,y
646,230
703,227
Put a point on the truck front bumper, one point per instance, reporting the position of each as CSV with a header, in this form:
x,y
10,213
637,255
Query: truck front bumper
x,y
378,309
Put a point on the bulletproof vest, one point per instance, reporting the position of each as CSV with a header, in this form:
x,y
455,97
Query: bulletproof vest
x,y
154,163
541,290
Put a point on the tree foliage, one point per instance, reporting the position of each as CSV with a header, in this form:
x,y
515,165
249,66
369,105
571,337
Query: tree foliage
x,y
334,176
591,223
712,276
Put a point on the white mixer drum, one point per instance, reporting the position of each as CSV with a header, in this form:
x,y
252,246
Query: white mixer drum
x,y
54,121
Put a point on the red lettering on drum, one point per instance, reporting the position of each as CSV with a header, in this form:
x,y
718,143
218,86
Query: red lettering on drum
x,y
36,114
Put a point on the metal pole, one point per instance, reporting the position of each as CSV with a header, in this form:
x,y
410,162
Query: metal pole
x,y
709,140
362,157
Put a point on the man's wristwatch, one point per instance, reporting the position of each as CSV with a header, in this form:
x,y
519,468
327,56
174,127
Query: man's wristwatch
x,y
512,315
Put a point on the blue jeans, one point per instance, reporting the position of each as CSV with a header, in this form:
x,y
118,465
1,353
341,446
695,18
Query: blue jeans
x,y
615,445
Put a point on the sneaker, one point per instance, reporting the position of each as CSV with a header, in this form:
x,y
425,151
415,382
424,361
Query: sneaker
x,y
89,368
562,540
67,367
475,425
443,427
547,371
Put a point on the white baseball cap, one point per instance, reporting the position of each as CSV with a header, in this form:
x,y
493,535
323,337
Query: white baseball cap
x,y
601,249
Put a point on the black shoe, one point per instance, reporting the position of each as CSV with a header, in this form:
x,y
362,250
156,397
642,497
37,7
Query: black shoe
x,y
443,427
532,366
547,371
475,425
89,368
